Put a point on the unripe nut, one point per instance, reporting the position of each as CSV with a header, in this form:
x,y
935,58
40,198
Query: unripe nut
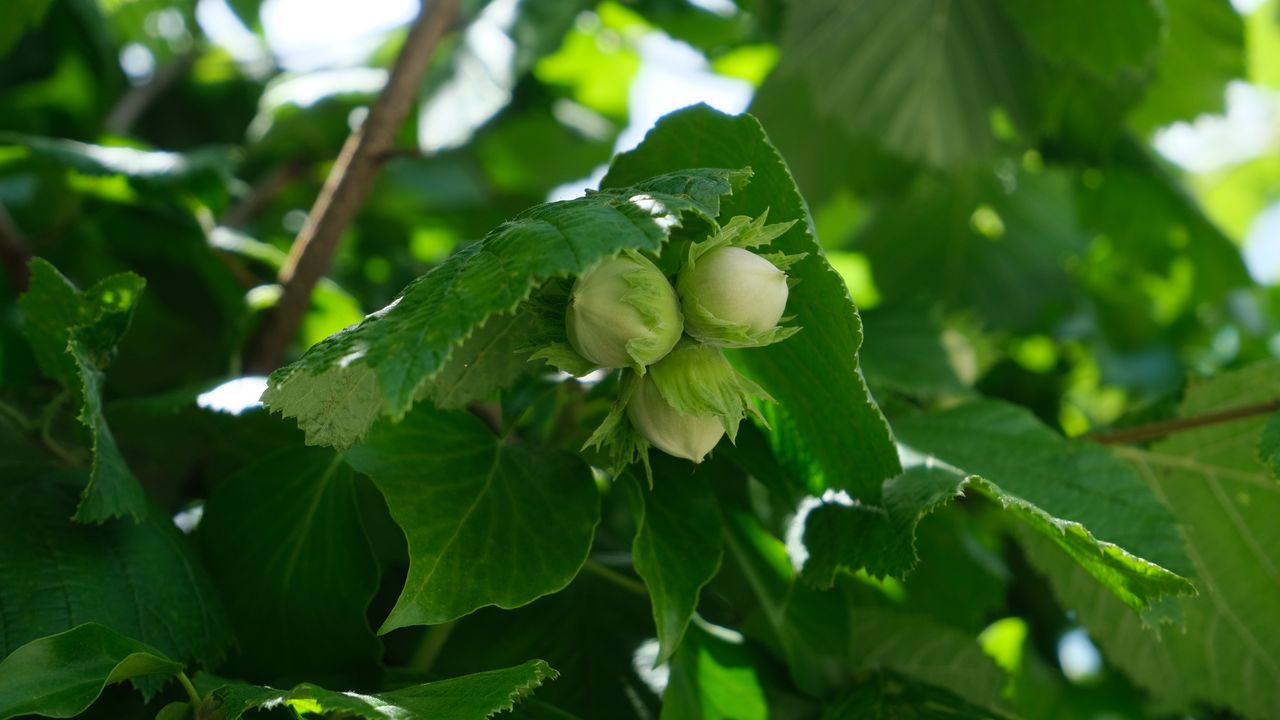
x,y
737,286
624,313
684,436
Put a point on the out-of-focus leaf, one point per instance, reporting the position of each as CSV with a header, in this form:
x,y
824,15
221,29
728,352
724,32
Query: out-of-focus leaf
x,y
598,61
1105,36
1226,648
496,50
145,166
470,697
825,421
1204,50
61,675
890,695
142,580
905,352
16,17
299,607
452,486
677,546
923,76
381,366
306,115
995,243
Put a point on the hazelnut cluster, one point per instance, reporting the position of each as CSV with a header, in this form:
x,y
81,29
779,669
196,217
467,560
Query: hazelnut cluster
x,y
678,392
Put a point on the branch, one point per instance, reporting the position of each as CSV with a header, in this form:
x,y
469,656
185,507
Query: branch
x,y
15,252
347,186
1156,430
262,193
133,103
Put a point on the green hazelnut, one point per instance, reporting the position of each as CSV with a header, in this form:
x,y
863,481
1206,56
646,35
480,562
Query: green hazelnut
x,y
730,285
684,436
624,313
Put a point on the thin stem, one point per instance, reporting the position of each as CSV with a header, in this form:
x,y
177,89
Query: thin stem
x,y
47,417
1156,430
191,691
347,186
424,656
604,571
15,251
15,415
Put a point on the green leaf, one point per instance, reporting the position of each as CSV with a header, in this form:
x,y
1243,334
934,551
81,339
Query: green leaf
x,y
1269,444
384,364
1203,51
454,488
677,547
894,696
922,76
886,639
148,167
486,362
881,540
17,17
61,675
1226,649
139,579
74,336
590,632
713,678
905,352
986,245
299,607
477,81
1079,496
1104,36
481,695
825,422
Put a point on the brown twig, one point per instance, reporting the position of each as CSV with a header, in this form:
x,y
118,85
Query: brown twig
x,y
15,251
133,103
262,192
347,187
1156,430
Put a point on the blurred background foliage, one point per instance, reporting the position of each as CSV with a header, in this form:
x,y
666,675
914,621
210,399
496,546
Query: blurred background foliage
x,y
1072,206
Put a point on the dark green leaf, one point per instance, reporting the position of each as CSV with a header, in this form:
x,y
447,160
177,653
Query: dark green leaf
x,y
470,697
921,76
904,351
825,422
17,17
880,539
677,547
454,488
1269,444
61,675
284,541
1225,647
1076,481
382,365
995,244
74,337
590,632
1105,36
140,579
888,695
1078,495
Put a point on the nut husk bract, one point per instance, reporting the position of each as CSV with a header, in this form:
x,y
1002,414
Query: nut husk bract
x,y
685,436
624,313
731,296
